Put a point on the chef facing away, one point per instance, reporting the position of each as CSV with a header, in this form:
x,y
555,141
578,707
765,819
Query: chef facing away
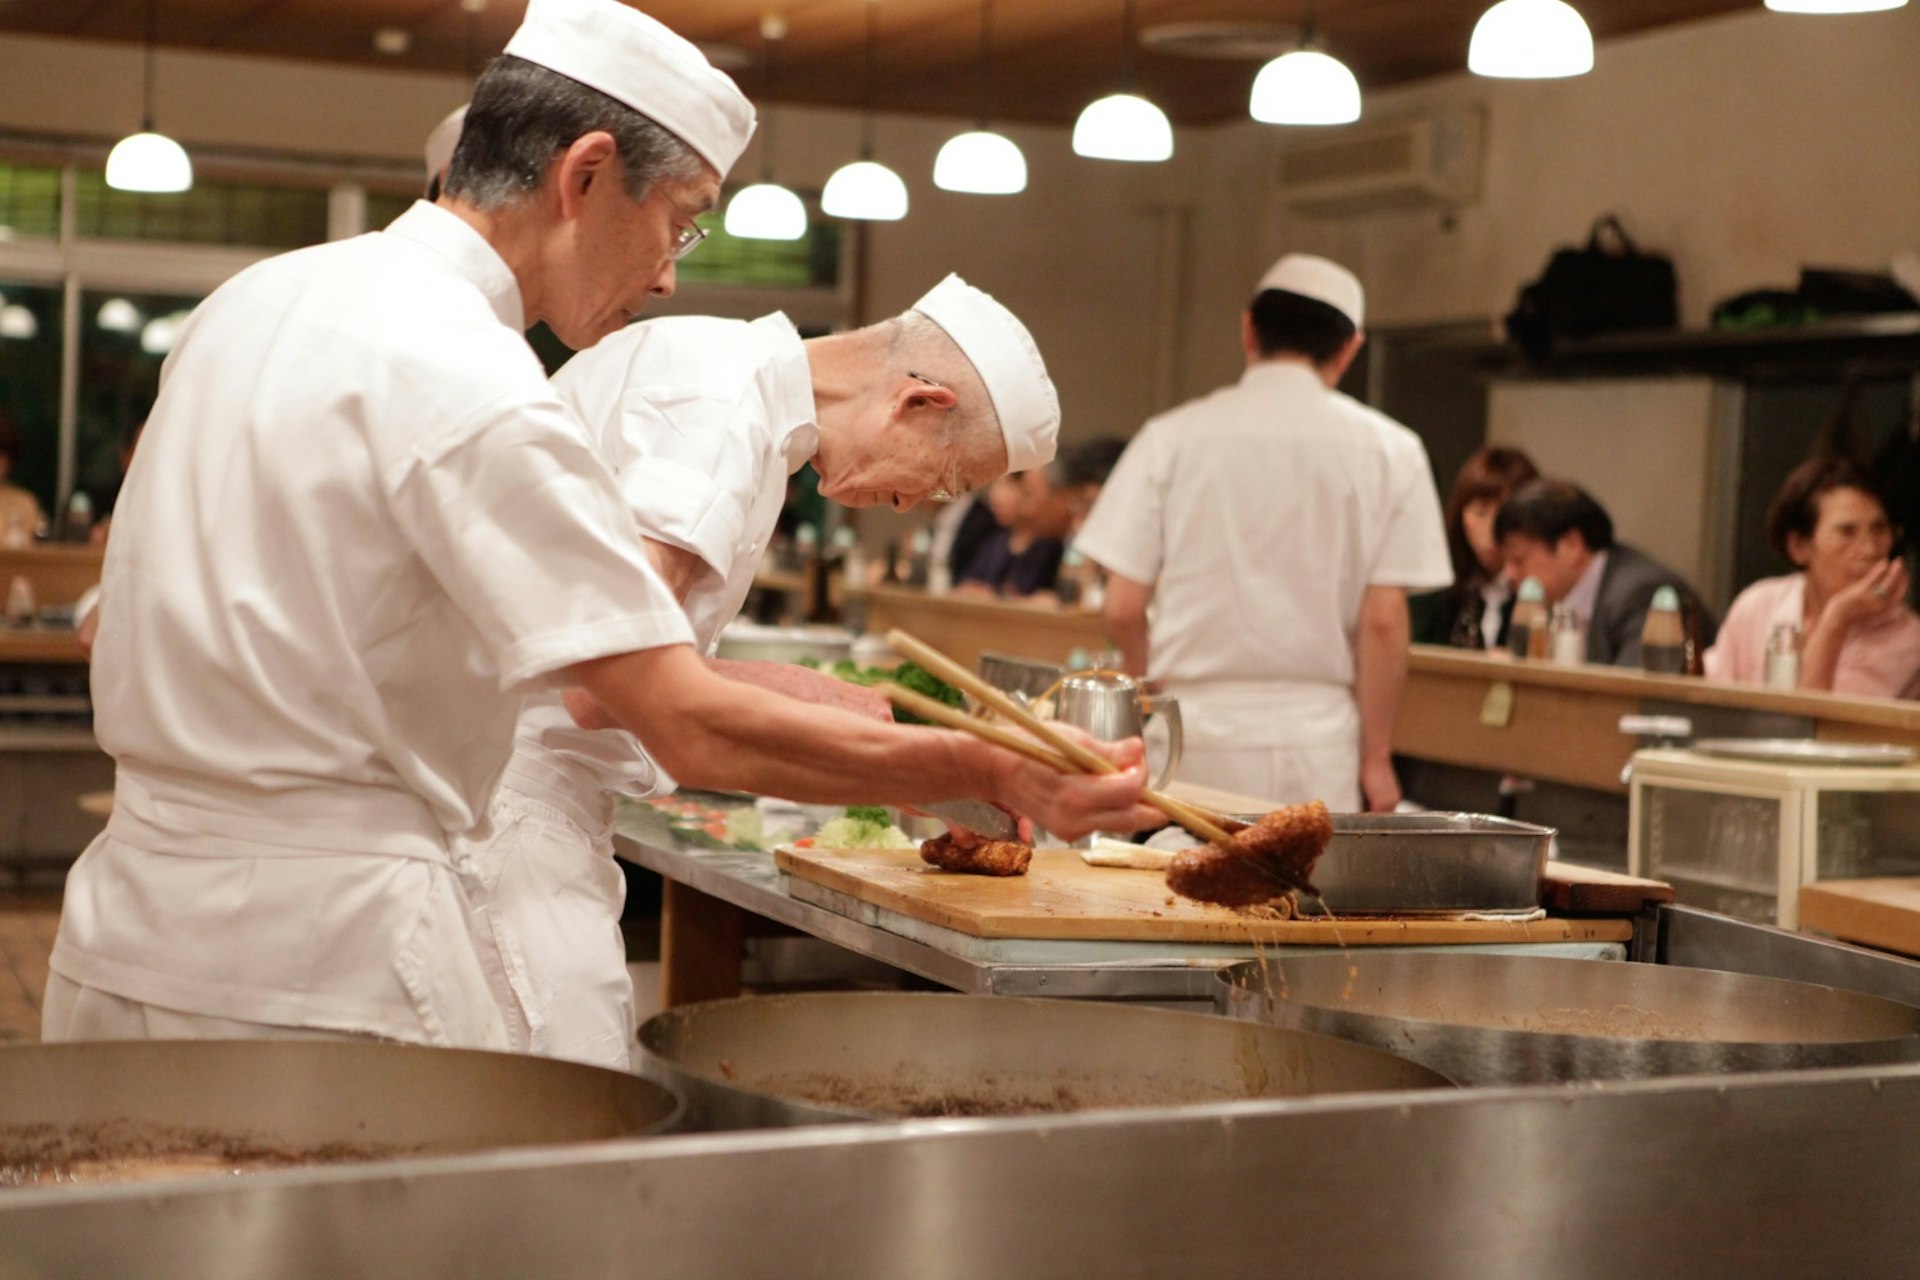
x,y
1260,542
362,527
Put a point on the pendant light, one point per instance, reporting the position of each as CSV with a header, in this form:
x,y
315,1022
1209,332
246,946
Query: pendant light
x,y
1123,125
766,210
1305,86
981,162
148,161
1833,6
1531,40
866,188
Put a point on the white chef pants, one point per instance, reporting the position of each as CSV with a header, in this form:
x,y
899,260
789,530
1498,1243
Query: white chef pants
x,y
72,1011
546,895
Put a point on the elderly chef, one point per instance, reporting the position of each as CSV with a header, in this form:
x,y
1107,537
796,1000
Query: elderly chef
x,y
1274,526
703,421
361,527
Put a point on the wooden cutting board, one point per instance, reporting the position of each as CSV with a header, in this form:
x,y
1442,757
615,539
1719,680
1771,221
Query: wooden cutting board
x,y
1882,912
1062,897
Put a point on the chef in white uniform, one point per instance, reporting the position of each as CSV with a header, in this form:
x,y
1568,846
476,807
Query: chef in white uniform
x,y
361,527
703,421
1260,543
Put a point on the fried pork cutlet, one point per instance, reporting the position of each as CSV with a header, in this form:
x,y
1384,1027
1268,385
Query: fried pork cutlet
x,y
985,858
1262,861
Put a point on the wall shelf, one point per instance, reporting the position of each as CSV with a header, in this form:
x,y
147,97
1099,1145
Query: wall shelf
x,y
1878,343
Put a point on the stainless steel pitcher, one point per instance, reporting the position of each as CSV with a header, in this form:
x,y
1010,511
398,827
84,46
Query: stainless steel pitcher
x,y
1111,706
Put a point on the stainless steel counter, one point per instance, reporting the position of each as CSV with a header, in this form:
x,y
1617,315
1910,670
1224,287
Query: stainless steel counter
x,y
1156,971
1790,1175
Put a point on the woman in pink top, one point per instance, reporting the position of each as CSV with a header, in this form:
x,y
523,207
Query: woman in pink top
x,y
1858,635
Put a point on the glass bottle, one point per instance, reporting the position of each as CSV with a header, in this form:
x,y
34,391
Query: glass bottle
x,y
1663,637
1527,631
1566,638
1783,657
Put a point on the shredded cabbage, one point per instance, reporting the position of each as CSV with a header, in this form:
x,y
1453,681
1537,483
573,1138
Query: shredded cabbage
x,y
863,832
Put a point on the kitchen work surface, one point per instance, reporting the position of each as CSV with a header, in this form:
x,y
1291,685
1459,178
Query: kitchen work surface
x,y
1881,912
711,890
1063,897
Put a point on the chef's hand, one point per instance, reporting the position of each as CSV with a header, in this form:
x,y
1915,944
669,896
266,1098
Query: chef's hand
x,y
1379,786
966,838
1074,805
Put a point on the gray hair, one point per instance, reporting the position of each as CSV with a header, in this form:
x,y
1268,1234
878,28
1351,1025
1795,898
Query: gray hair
x,y
916,344
523,116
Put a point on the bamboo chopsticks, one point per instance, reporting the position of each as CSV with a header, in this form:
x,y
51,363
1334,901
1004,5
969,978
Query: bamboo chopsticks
x,y
1067,755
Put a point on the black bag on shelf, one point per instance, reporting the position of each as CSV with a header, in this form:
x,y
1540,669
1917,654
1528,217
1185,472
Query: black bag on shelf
x,y
1595,289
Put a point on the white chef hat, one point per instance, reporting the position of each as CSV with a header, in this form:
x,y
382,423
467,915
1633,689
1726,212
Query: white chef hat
x,y
1005,356
1321,280
443,139
637,60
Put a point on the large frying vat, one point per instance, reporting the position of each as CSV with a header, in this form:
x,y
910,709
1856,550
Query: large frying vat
x,y
809,1059
1489,1019
138,1108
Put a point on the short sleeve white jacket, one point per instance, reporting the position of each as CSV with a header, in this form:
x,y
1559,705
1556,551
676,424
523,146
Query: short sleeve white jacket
x,y
1261,513
702,421
359,528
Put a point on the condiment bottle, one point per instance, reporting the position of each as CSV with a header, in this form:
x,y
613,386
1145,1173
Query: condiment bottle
x,y
1527,632
1663,639
1566,638
1783,656
20,601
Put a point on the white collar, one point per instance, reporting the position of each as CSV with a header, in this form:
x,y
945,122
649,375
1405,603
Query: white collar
x,y
1283,370
1587,590
451,237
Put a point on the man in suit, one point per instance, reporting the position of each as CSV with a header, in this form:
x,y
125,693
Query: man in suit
x,y
1556,532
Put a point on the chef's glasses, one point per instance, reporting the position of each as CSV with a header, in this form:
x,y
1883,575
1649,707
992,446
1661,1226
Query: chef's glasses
x,y
956,488
686,238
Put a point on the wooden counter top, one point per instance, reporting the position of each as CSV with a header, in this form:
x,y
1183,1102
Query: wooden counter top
x,y
37,644
1561,723
963,626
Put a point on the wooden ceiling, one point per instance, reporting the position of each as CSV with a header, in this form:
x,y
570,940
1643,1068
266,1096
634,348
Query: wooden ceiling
x,y
1050,57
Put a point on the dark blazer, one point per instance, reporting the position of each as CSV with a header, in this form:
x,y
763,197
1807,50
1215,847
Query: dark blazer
x,y
1620,607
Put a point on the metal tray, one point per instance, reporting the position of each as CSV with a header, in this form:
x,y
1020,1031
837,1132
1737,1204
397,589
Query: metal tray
x,y
1805,751
1403,863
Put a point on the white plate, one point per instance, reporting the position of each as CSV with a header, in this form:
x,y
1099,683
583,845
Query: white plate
x,y
1805,751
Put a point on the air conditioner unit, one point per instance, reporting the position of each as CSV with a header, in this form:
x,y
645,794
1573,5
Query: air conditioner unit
x,y
1402,164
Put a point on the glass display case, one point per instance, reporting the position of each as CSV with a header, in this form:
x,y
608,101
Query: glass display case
x,y
1742,836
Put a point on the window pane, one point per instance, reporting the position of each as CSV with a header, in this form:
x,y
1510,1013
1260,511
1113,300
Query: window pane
x,y
209,213
29,201
812,260
384,206
30,387
123,339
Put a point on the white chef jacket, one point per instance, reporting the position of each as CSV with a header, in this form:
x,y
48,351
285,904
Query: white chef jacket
x,y
360,526
1261,513
703,421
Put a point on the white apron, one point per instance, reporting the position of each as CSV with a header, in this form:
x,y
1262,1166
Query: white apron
x,y
1288,742
545,898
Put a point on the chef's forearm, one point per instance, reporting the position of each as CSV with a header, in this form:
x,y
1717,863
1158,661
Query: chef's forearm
x,y
1380,668
712,732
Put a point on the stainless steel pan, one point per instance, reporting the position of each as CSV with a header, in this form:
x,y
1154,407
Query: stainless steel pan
x,y
808,1059
1406,863
148,1108
1489,1019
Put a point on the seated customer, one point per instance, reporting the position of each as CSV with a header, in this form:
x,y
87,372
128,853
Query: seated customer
x,y
1556,532
1022,559
1849,599
1473,612
1081,471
